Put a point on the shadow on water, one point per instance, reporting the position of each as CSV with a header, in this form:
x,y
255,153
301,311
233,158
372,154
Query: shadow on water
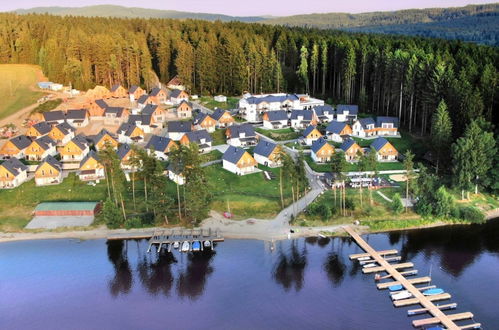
x,y
192,280
290,267
155,272
123,279
334,266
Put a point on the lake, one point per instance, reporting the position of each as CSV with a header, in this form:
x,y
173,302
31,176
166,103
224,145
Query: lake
x,y
243,284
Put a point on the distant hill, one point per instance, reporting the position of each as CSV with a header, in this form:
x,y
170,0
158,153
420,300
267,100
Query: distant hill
x,y
120,11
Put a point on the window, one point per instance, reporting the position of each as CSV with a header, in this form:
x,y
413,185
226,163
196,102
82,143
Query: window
x,y
387,125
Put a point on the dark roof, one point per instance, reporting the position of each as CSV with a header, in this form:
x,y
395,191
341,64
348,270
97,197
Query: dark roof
x,y
91,154
309,130
318,144
115,87
144,119
351,108
176,92
197,136
42,127
51,161
118,111
133,89
76,114
14,166
335,127
264,148
199,118
21,141
126,128
366,121
143,98
149,109
379,143
277,115
81,141
155,91
101,103
45,142
54,115
271,98
347,144
123,150
184,101
65,128
217,114
233,154
101,134
307,114
179,126
386,120
159,143
237,130
320,110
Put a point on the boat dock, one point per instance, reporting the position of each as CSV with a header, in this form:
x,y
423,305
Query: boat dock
x,y
380,263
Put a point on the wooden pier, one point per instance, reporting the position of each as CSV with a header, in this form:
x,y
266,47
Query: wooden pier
x,y
438,317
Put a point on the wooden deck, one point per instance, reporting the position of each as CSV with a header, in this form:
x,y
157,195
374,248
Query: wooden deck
x,y
438,317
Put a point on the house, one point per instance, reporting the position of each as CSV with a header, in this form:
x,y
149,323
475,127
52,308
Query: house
x,y
177,95
135,92
241,135
158,115
77,118
385,151
91,169
118,91
351,149
54,117
223,118
39,129
324,113
130,133
302,118
347,112
321,151
311,134
15,147
104,138
308,103
175,83
62,133
202,138
275,119
238,161
364,127
175,173
268,153
184,110
75,150
40,148
337,131
115,116
160,146
144,100
220,98
177,129
97,108
206,122
13,173
386,126
143,122
158,96
252,106
125,153
48,172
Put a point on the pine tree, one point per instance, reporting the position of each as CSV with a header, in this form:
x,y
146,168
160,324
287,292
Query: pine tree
x,y
303,69
441,134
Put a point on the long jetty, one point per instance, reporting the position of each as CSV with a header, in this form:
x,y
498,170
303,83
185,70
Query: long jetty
x,y
438,317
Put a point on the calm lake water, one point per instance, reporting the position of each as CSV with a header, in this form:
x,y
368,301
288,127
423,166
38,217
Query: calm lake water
x,y
302,284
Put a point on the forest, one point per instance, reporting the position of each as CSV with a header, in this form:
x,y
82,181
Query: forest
x,y
386,75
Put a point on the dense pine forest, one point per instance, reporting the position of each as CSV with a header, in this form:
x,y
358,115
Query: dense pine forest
x,y
386,75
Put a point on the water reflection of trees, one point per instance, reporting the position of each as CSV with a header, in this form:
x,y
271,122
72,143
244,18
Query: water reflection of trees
x,y
290,267
334,265
192,281
155,272
122,280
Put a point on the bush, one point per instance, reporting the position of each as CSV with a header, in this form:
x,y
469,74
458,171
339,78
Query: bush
x,y
111,215
472,214
349,204
423,208
133,223
397,206
455,212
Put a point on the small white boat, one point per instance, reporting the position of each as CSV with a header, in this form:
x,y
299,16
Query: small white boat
x,y
207,244
372,264
364,258
176,245
185,246
401,295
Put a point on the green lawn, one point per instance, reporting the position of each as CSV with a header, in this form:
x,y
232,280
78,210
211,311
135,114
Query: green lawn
x,y
279,134
219,137
212,155
47,106
210,103
418,146
18,87
353,167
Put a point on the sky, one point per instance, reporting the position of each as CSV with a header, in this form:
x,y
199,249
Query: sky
x,y
253,7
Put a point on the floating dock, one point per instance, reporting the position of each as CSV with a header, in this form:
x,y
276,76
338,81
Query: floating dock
x,y
438,317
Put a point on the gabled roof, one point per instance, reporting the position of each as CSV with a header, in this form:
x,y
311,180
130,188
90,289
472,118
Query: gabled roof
x,y
80,141
387,120
123,150
143,119
272,98
126,129
200,118
115,87
101,134
158,143
54,115
149,109
379,143
14,166
351,108
143,99
318,144
309,130
197,136
76,114
101,103
133,88
91,154
233,154
176,92
277,115
236,130
45,142
335,127
65,128
185,102
118,111
179,126
52,162
366,121
321,110
306,114
155,91
217,114
42,127
347,144
21,141
175,81
265,148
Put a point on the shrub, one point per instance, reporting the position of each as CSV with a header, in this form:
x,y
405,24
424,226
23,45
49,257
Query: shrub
x,y
423,208
472,214
397,206
111,214
455,212
133,223
349,204
443,202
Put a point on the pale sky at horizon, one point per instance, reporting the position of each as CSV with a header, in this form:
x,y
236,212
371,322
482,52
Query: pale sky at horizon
x,y
257,8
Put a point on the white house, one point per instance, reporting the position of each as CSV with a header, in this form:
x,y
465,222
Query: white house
x,y
160,146
387,126
311,134
275,119
268,154
336,131
302,118
177,129
175,174
238,161
252,106
144,122
220,98
202,138
324,113
13,173
347,112
77,118
241,135
364,127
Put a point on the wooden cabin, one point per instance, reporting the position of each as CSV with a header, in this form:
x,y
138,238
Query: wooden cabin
x,y
238,161
48,172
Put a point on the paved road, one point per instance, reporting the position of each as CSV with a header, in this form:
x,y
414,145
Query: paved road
x,y
197,105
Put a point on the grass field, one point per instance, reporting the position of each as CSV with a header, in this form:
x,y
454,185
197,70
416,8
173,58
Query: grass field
x,y
47,106
210,103
353,167
279,134
218,137
18,87
402,144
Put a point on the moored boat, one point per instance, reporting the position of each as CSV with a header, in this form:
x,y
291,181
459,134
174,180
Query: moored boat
x,y
432,292
196,246
369,265
397,287
176,245
207,243
185,246
364,258
401,295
